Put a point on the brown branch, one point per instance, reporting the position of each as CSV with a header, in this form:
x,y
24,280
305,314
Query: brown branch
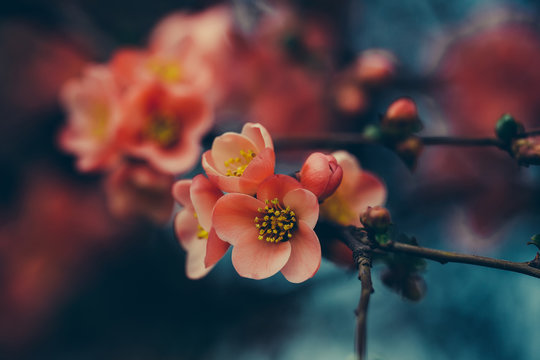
x,y
338,140
362,259
527,268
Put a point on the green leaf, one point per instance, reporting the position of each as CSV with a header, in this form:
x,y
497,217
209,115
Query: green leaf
x,y
535,240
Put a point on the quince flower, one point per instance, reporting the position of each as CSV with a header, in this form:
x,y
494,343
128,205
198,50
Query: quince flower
x,y
164,127
193,225
273,232
240,162
93,108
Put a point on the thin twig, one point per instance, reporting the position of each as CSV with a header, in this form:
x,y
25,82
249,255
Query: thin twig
x,y
337,140
444,257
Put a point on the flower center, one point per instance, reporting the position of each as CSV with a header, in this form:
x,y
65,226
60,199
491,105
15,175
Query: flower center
x,y
275,223
236,166
164,130
100,114
201,233
166,71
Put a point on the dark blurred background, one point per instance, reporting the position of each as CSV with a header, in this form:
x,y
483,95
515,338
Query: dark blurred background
x,y
75,283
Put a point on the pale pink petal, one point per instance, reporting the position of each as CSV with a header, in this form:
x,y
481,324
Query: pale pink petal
x,y
276,186
204,195
260,168
259,135
186,228
228,146
180,192
305,257
195,267
260,259
215,249
234,216
370,191
233,184
305,204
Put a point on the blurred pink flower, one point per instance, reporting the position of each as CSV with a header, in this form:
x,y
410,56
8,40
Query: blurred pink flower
x,y
164,127
321,174
358,190
273,232
94,113
193,225
375,67
240,162
179,68
137,190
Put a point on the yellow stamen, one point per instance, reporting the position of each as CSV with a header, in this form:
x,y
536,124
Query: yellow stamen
x,y
201,233
164,130
237,165
278,224
166,71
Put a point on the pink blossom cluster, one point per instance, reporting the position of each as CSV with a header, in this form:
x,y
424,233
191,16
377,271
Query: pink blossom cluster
x,y
268,218
140,117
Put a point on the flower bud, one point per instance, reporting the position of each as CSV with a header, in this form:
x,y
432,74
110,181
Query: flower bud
x,y
321,174
375,67
527,151
507,127
376,218
401,118
350,99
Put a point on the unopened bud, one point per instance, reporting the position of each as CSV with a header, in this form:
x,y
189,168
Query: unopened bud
x,y
350,98
401,118
321,174
375,67
376,218
507,128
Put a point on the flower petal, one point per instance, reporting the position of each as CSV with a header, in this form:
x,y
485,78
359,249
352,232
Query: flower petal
x,y
195,267
259,135
234,216
260,259
186,228
180,192
305,204
204,195
305,257
228,146
276,186
215,249
260,168
370,191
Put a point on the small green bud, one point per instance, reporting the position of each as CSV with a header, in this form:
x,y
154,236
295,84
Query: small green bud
x,y
376,219
507,127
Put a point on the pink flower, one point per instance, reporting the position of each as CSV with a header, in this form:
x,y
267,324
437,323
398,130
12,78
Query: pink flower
x,y
321,174
193,225
358,190
208,30
240,162
180,68
137,190
164,127
273,232
93,108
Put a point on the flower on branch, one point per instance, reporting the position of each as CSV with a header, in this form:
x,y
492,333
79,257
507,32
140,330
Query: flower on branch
x,y
272,232
240,162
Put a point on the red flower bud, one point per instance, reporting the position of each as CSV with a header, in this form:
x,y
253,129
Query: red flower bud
x,y
376,218
321,174
401,117
375,67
